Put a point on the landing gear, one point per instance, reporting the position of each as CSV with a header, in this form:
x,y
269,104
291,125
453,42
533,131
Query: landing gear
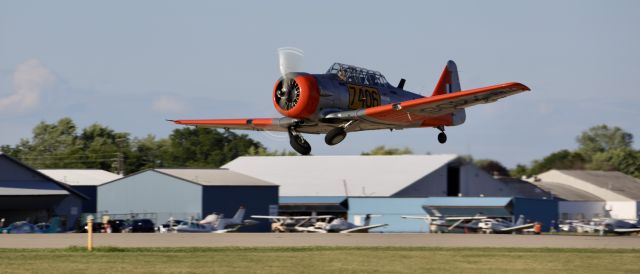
x,y
442,137
335,136
298,143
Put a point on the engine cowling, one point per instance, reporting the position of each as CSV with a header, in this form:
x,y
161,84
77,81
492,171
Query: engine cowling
x,y
300,98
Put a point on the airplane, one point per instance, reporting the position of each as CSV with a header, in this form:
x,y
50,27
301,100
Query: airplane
x,y
349,99
24,227
295,223
439,224
501,226
343,226
216,223
615,226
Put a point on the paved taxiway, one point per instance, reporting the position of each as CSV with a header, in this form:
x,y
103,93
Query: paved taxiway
x,y
303,239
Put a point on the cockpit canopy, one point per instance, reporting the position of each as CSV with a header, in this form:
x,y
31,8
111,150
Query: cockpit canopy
x,y
356,75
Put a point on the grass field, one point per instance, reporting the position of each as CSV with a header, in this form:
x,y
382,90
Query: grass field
x,y
319,260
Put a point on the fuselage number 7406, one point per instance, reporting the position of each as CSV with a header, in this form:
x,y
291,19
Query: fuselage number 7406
x,y
363,97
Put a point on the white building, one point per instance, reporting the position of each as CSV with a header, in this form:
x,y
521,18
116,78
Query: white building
x,y
588,194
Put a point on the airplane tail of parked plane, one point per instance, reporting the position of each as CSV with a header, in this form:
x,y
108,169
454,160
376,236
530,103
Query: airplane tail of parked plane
x,y
237,219
520,221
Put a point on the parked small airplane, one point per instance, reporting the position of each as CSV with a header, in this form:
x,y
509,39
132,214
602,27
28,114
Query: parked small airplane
x,y
295,223
216,223
615,226
348,99
22,227
343,226
498,225
439,224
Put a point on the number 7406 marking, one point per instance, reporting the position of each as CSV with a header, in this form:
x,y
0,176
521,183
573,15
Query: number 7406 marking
x,y
363,97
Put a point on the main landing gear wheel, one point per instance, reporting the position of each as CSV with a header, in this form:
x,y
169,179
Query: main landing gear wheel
x,y
335,136
442,137
298,143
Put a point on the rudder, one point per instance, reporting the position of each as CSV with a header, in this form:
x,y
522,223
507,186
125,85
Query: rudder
x,y
449,81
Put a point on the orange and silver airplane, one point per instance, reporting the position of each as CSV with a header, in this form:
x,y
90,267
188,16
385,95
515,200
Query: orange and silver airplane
x,y
348,99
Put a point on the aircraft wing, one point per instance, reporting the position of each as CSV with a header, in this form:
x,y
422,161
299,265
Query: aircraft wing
x,y
519,227
445,218
626,230
269,124
290,217
362,228
413,112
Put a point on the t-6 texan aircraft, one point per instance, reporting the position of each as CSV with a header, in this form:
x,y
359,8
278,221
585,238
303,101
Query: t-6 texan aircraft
x,y
348,98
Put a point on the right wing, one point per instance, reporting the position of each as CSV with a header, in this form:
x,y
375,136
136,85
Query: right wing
x,y
514,228
362,228
413,112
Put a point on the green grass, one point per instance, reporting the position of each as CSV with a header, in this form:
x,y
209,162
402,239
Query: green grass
x,y
319,260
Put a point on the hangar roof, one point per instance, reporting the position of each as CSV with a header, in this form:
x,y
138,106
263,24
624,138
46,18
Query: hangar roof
x,y
81,177
214,177
340,175
566,192
615,181
20,188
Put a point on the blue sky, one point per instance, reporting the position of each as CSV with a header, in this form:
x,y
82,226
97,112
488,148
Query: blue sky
x,y
132,64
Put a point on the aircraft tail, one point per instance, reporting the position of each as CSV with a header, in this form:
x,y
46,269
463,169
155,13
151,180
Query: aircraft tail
x,y
239,215
520,221
450,83
367,220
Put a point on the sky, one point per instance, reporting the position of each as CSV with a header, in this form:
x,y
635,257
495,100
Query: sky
x,y
130,65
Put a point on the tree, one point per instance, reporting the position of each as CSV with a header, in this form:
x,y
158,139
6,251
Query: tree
x,y
492,167
601,138
381,150
563,159
204,147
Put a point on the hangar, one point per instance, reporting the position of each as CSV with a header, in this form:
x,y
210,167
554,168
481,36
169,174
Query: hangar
x,y
159,194
318,183
26,194
85,181
588,194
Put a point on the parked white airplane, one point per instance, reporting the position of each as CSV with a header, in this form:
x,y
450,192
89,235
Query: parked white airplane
x,y
343,226
442,224
615,226
502,226
295,223
216,223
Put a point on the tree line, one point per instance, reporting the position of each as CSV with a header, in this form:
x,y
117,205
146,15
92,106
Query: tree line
x,y
63,145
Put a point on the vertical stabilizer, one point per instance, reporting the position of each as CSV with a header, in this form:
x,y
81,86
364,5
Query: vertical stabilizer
x,y
449,81
237,219
520,221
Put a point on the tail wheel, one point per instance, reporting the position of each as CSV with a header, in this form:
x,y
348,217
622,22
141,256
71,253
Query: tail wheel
x,y
335,136
442,137
298,143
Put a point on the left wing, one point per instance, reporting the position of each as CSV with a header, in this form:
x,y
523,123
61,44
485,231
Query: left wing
x,y
414,112
513,228
270,124
362,228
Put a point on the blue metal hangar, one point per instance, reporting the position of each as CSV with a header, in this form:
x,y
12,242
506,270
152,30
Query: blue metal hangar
x,y
28,195
389,186
160,194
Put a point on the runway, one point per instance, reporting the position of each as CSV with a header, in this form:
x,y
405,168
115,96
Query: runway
x,y
304,239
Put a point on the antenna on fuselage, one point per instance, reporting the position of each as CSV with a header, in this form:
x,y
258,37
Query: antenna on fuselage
x,y
401,84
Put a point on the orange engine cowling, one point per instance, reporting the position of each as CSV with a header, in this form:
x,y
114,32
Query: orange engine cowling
x,y
300,98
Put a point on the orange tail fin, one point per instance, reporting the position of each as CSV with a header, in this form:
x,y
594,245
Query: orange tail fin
x,y
449,81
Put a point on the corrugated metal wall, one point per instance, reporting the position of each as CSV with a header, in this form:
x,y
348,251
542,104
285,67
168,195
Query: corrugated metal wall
x,y
537,210
151,192
227,200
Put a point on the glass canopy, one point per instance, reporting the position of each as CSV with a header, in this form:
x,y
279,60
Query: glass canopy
x,y
356,75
